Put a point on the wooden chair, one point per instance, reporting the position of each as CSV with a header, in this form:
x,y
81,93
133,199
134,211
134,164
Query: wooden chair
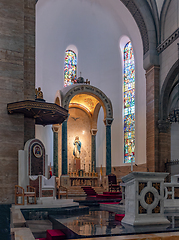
x,y
62,191
112,182
19,192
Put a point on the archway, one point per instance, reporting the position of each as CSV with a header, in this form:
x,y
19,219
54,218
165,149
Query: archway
x,y
86,101
168,88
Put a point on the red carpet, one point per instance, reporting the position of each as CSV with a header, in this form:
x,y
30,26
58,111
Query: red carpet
x,y
55,234
90,192
119,217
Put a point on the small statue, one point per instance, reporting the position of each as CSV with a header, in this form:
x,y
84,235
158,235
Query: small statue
x,y
77,147
38,93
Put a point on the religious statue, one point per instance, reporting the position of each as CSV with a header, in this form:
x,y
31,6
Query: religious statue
x,y
77,147
38,93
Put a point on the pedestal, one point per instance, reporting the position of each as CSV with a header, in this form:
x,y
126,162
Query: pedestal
x,y
78,164
144,198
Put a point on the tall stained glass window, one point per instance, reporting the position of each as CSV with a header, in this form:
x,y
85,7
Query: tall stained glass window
x,y
70,67
129,104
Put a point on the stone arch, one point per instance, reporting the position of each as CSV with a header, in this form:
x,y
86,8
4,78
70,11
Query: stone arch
x,y
67,94
95,116
166,90
91,90
163,123
141,13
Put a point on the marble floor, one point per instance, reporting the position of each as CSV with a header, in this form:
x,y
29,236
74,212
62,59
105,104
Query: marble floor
x,y
39,227
101,223
93,225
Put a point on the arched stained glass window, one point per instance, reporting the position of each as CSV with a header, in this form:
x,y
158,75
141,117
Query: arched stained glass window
x,y
70,67
129,104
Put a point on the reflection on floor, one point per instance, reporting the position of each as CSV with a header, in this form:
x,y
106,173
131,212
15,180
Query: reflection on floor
x,y
39,227
102,223
96,223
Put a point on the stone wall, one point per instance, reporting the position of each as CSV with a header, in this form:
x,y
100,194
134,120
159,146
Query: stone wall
x,y
13,70
11,90
171,24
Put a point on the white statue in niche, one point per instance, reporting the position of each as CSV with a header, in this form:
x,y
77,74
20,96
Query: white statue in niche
x,y
77,147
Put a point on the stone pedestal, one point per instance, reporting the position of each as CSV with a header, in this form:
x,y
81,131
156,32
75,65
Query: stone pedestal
x,y
144,198
78,164
65,181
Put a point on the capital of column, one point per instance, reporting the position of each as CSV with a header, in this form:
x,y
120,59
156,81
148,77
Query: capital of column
x,y
55,128
93,131
163,126
108,121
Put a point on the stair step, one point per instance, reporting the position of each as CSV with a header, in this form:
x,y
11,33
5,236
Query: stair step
x,y
55,234
78,191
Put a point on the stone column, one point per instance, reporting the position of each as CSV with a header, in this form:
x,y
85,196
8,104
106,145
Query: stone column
x,y
108,122
55,150
93,150
152,107
64,147
164,144
29,64
11,90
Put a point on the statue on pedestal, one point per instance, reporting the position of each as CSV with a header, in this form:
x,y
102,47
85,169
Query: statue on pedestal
x,y
77,147
76,152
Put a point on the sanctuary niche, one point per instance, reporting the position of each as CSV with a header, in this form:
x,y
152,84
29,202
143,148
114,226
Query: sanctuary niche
x,y
77,136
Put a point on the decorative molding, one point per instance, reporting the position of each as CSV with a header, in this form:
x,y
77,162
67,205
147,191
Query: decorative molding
x,y
108,121
93,131
55,128
168,41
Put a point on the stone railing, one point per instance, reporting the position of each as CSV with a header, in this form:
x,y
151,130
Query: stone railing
x,y
171,200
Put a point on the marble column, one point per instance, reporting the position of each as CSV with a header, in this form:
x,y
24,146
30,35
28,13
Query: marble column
x,y
152,108
93,150
64,148
108,123
55,150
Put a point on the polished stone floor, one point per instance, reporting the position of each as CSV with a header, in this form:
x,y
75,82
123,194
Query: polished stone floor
x,y
102,223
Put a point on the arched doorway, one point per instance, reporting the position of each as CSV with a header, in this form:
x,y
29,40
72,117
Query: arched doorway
x,y
84,102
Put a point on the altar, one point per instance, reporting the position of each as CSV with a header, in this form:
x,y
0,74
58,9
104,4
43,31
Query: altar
x,y
82,178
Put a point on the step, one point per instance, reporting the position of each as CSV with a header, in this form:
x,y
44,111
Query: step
x,y
55,234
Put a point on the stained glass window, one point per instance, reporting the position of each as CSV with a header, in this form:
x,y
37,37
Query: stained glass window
x,y
129,104
70,67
